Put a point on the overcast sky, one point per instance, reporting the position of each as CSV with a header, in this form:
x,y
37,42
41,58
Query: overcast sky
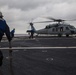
x,y
18,13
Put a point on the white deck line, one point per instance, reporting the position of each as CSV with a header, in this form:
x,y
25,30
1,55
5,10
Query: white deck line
x,y
20,48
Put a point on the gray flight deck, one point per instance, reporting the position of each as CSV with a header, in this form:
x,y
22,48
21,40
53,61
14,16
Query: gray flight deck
x,y
49,56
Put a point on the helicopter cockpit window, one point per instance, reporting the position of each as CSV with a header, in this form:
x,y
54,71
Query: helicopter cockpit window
x,y
47,27
72,27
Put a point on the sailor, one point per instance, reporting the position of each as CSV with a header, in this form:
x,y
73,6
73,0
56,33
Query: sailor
x,y
32,31
4,28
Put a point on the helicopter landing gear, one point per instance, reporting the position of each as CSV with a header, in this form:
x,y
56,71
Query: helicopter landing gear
x,y
67,35
59,35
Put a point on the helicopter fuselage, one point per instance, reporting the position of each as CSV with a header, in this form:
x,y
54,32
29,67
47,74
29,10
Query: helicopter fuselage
x,y
58,29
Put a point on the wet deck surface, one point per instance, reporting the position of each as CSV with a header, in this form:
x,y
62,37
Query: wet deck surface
x,y
40,61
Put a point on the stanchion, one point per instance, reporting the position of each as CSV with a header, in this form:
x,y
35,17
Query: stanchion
x,y
10,59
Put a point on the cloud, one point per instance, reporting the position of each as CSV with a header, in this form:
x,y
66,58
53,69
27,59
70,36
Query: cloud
x,y
23,4
16,18
18,13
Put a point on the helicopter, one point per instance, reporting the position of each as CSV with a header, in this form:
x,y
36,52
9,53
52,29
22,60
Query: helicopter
x,y
59,27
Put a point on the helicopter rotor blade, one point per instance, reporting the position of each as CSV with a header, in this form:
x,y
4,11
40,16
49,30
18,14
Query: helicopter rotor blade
x,y
51,18
71,20
43,21
59,20
55,20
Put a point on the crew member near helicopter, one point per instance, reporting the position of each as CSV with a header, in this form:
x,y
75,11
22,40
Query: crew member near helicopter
x,y
4,28
32,34
32,31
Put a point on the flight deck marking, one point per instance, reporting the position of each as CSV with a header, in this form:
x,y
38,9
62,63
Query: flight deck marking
x,y
21,48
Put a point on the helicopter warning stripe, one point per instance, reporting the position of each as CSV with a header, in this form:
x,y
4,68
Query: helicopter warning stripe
x,y
20,48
